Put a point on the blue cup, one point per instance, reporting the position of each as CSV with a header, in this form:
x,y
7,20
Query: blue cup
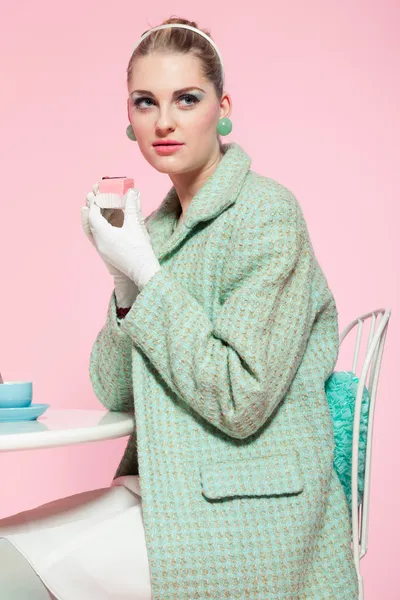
x,y
15,394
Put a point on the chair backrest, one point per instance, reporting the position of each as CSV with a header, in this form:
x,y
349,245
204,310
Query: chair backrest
x,y
367,370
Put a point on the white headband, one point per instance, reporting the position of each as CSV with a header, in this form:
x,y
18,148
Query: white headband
x,y
182,26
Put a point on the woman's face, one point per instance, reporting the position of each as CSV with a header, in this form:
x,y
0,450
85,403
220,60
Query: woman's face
x,y
169,99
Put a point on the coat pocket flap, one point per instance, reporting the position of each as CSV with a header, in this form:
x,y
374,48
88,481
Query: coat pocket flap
x,y
270,475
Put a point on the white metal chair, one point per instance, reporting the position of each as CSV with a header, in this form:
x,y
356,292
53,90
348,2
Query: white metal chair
x,y
372,362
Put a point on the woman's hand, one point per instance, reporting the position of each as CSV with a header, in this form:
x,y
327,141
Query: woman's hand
x,y
127,248
125,290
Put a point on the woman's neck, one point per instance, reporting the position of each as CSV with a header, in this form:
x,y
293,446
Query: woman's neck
x,y
188,184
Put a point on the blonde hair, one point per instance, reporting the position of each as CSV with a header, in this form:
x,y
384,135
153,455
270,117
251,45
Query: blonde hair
x,y
181,40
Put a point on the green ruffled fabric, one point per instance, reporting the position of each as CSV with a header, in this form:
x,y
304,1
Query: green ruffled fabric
x,y
341,390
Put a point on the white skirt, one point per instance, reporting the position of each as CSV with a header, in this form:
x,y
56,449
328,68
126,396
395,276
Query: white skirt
x,y
89,545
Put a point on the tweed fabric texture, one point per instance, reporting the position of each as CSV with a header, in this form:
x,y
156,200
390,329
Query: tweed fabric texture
x,y
231,343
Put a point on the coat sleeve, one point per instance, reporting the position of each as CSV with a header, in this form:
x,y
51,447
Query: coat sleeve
x,y
235,371
110,366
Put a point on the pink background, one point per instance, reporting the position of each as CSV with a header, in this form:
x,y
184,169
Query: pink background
x,y
315,92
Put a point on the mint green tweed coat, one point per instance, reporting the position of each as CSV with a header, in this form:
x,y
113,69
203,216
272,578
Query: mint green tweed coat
x,y
223,359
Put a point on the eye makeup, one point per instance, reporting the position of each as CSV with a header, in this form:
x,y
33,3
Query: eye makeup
x,y
194,97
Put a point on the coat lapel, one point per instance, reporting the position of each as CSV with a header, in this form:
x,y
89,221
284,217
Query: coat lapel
x,y
218,192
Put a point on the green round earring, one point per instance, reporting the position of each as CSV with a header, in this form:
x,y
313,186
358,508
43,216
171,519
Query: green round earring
x,y
130,133
224,126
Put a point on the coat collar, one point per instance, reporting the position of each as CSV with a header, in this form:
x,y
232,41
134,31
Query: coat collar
x,y
218,192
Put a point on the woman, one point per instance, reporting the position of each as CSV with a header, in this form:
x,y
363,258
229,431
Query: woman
x,y
220,333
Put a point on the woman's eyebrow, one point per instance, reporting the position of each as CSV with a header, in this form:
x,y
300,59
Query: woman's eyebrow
x,y
176,93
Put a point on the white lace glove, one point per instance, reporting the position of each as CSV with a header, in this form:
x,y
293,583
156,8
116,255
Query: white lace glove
x,y
128,248
126,291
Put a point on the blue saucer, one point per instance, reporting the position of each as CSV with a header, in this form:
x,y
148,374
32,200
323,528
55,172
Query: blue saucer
x,y
26,413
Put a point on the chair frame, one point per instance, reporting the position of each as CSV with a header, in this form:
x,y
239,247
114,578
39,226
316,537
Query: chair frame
x,y
372,362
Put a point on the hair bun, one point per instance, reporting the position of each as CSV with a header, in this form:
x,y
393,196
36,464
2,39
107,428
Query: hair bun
x,y
173,20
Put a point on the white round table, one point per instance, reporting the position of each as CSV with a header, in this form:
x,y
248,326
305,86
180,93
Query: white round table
x,y
64,428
